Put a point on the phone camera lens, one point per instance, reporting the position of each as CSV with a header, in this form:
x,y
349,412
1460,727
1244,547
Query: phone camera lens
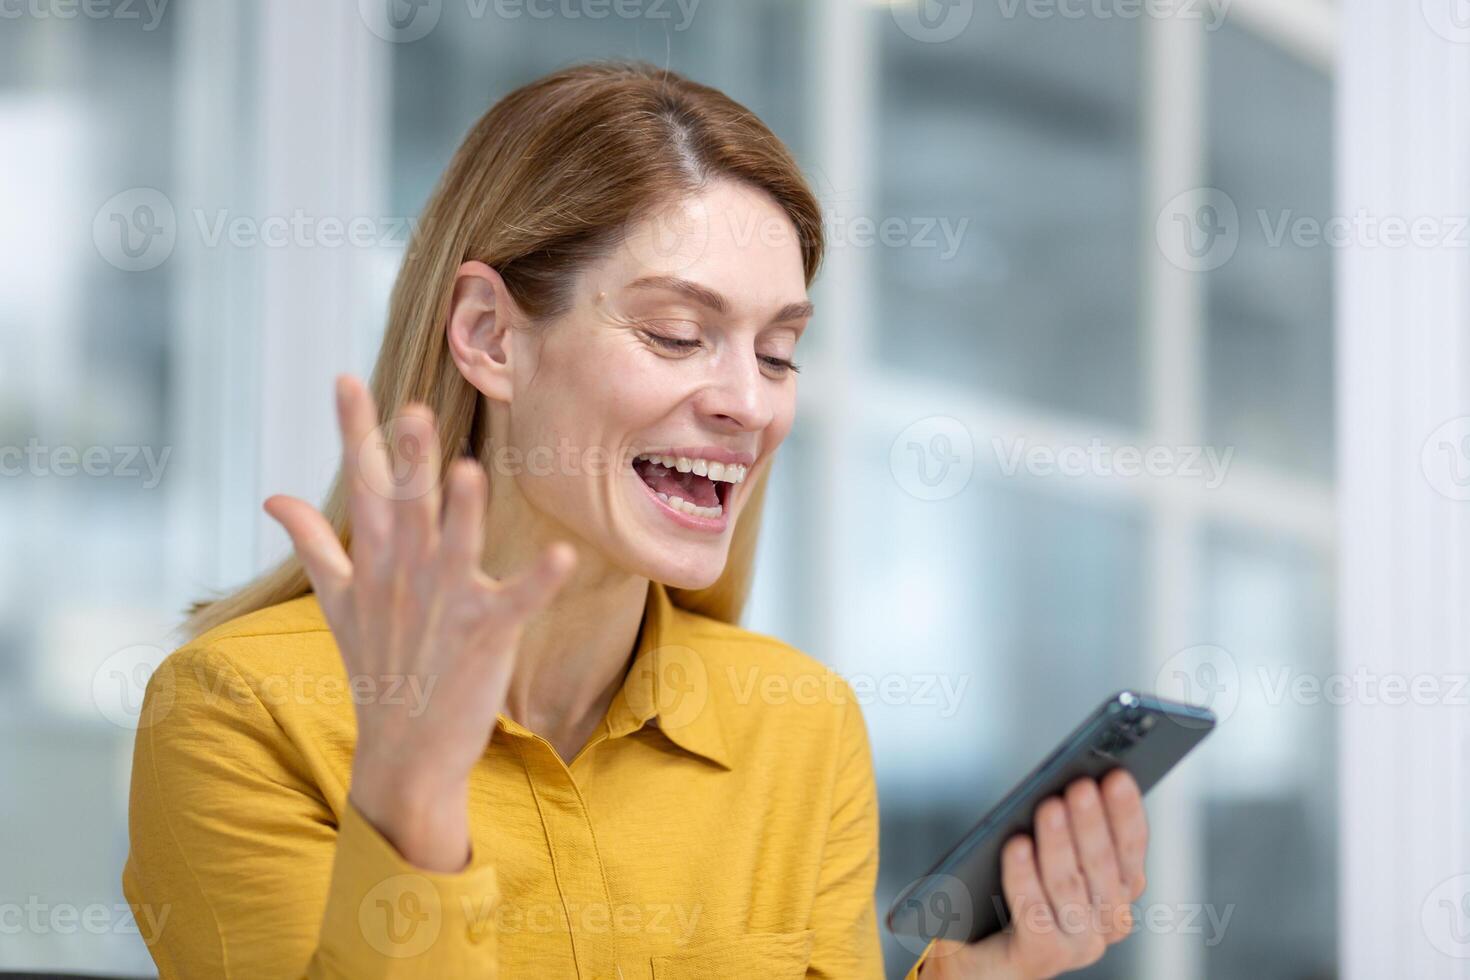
x,y
1109,743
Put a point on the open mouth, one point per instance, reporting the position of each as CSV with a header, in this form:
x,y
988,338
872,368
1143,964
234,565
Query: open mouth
x,y
698,487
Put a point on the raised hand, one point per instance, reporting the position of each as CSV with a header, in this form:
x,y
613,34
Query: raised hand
x,y
412,601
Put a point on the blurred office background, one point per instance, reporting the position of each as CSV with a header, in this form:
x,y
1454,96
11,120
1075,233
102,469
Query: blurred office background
x,y
1081,202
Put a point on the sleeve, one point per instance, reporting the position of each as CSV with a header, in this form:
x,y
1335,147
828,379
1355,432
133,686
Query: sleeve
x,y
238,866
845,918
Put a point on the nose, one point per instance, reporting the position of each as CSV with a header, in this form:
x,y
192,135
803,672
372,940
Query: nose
x,y
738,396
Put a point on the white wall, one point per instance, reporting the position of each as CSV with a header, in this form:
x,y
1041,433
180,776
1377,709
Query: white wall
x,y
1404,152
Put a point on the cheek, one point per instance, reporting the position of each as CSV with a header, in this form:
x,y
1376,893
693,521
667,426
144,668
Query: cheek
x,y
634,392
782,419
576,395
621,394
588,410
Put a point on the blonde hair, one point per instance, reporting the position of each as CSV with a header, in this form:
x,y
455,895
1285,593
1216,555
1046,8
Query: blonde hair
x,y
545,182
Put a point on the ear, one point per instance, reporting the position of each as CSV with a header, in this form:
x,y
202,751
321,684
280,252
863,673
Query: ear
x,y
479,331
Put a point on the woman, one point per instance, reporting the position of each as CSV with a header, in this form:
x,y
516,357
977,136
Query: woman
x,y
501,723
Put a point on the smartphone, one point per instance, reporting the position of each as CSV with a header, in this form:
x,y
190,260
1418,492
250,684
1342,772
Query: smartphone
x,y
961,896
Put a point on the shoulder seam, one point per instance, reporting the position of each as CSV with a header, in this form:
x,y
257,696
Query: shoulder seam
x,y
230,631
272,632
212,638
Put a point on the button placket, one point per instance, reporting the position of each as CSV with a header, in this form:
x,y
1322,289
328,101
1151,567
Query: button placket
x,y
576,861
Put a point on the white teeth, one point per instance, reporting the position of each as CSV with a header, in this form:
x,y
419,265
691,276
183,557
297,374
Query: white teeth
x,y
680,504
719,472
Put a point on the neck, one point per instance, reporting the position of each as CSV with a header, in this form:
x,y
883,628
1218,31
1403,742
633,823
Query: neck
x,y
574,655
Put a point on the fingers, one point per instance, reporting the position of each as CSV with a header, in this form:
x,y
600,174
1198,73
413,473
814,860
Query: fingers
x,y
1025,897
1128,824
463,535
364,468
1038,947
1068,890
530,592
1061,875
392,476
316,544
1093,841
412,444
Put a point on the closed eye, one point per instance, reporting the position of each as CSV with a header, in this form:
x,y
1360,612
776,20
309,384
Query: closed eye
x,y
779,364
672,343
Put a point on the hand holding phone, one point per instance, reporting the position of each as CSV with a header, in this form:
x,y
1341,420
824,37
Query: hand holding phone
x,y
996,873
1071,887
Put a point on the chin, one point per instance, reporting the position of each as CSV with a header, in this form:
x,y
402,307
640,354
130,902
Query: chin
x,y
698,572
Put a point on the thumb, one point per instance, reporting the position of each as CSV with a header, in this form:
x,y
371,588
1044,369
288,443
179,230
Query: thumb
x,y
316,544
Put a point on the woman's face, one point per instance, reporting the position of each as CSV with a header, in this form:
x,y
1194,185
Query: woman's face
x,y
638,420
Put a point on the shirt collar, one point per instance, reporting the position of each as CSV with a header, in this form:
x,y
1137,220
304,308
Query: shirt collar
x,y
669,685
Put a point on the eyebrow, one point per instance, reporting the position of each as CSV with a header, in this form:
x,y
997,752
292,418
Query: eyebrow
x,y
707,297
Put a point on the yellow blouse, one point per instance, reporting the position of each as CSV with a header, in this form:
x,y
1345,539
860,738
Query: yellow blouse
x,y
721,822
